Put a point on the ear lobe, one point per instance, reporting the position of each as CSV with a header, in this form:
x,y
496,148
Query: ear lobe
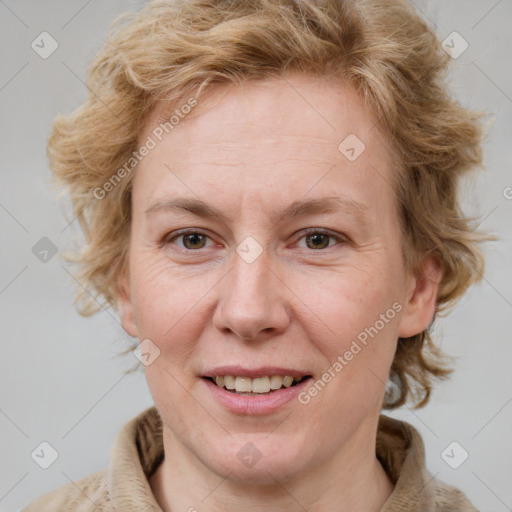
x,y
124,305
421,300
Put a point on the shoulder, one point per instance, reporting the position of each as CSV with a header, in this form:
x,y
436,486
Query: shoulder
x,y
87,494
450,499
123,484
401,452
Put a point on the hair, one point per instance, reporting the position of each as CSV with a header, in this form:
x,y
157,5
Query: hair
x,y
172,50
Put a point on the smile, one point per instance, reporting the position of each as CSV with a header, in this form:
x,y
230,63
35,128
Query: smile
x,y
266,384
254,391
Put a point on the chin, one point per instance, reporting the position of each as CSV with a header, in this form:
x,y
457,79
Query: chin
x,y
256,460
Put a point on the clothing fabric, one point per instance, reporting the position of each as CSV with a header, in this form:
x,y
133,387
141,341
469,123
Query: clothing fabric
x,y
123,486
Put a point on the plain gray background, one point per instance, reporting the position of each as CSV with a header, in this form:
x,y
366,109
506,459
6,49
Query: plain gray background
x,y
61,380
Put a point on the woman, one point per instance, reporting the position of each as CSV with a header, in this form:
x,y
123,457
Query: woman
x,y
268,192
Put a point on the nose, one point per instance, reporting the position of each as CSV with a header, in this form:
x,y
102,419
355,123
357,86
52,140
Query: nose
x,y
253,301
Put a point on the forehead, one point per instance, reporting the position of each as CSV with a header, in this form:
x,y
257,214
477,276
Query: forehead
x,y
326,106
281,137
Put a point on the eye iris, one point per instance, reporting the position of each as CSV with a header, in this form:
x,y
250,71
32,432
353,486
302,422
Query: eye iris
x,y
196,238
197,241
317,237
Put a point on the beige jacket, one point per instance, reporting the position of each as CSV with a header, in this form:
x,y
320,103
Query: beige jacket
x,y
138,450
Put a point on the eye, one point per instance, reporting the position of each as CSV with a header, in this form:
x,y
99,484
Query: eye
x,y
319,239
316,239
192,240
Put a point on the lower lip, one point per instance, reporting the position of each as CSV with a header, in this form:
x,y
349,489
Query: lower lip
x,y
256,404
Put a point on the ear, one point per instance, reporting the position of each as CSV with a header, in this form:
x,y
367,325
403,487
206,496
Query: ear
x,y
124,305
420,305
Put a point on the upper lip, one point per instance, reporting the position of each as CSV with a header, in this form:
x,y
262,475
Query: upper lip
x,y
262,371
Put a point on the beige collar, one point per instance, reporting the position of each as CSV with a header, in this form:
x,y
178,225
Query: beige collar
x,y
138,450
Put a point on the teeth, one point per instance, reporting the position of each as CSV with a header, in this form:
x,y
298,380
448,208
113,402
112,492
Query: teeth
x,y
257,385
276,382
243,384
287,382
261,385
229,382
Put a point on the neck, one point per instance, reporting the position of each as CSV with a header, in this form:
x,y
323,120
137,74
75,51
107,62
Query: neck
x,y
352,480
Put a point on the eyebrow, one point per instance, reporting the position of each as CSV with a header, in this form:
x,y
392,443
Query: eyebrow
x,y
299,208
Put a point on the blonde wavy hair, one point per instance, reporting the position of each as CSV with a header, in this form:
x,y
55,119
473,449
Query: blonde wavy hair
x,y
172,50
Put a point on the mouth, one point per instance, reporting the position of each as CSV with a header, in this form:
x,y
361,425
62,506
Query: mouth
x,y
258,391
256,386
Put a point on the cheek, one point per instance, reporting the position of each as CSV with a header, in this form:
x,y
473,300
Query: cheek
x,y
353,321
345,303
168,304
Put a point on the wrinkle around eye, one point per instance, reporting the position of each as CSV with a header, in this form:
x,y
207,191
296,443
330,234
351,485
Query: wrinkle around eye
x,y
340,241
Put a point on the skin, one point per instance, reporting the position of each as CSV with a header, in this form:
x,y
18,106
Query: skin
x,y
251,151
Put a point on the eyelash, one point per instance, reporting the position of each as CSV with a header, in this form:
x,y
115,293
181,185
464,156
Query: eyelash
x,y
312,231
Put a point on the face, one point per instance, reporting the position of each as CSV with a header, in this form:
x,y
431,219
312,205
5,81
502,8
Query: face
x,y
260,250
